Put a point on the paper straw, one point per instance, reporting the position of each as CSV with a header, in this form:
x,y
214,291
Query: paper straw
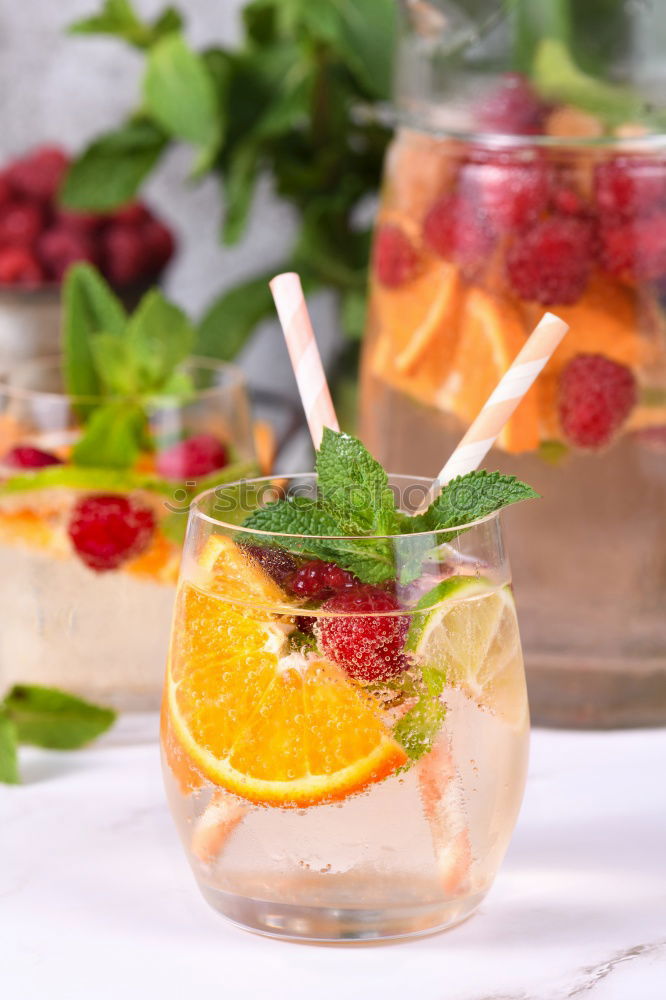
x,y
304,353
484,431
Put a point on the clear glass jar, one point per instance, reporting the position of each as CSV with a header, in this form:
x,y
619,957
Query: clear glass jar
x,y
89,554
505,195
338,773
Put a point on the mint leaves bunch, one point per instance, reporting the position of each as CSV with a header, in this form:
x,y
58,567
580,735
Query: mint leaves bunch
x,y
49,718
355,500
125,362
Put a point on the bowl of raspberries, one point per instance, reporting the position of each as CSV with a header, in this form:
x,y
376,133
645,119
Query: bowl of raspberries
x,y
39,240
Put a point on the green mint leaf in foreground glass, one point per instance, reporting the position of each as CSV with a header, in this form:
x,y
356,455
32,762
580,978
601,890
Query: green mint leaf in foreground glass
x,y
354,499
89,307
354,487
47,717
9,774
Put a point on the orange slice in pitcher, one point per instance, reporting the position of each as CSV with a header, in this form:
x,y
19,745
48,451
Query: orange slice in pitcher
x,y
283,731
491,334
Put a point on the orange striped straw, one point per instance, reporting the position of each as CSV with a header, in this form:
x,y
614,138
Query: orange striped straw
x,y
304,353
484,431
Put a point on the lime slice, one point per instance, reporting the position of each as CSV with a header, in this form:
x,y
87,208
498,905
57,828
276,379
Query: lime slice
x,y
468,631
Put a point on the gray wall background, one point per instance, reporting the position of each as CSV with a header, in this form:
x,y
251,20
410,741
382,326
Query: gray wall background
x,y
55,87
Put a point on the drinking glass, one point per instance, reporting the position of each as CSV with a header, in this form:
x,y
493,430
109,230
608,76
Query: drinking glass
x,y
89,554
344,760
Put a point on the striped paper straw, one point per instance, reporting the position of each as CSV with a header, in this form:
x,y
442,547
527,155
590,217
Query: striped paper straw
x,y
484,431
304,353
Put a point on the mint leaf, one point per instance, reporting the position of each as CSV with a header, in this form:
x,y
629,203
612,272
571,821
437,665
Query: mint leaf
x,y
417,730
159,338
118,18
89,307
110,171
9,774
467,498
114,364
112,436
370,560
180,94
232,317
46,717
354,487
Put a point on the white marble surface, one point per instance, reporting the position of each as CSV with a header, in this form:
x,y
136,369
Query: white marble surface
x,y
97,901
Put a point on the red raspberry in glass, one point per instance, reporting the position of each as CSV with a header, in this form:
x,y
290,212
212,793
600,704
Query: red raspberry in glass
x,y
360,636
595,397
59,248
457,229
24,456
317,579
125,256
551,262
627,186
511,191
512,108
39,174
21,222
19,266
635,248
159,243
395,259
194,457
107,529
132,214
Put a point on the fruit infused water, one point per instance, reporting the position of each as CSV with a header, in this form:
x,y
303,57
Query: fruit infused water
x,y
475,237
345,720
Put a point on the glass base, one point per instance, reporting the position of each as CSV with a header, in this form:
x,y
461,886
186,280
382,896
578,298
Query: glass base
x,y
329,924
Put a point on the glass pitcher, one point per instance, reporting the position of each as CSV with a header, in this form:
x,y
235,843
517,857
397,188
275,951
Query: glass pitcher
x,y
528,173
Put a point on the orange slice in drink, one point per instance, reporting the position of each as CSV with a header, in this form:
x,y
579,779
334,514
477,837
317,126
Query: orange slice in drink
x,y
417,326
491,334
282,731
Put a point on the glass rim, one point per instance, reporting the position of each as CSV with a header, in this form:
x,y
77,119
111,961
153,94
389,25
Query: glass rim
x,y
52,361
196,511
395,117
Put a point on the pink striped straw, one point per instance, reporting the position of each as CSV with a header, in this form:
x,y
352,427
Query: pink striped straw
x,y
304,353
503,400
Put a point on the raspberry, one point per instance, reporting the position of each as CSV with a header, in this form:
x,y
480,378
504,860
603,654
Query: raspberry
x,y
125,256
38,175
595,398
81,223
276,562
26,457
569,202
395,258
635,248
58,248
455,228
368,645
551,261
5,190
21,222
107,529
132,214
628,186
159,244
194,457
513,108
317,580
511,192
19,266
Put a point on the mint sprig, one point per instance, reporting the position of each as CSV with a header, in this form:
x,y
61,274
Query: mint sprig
x,y
128,363
417,730
49,718
354,498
